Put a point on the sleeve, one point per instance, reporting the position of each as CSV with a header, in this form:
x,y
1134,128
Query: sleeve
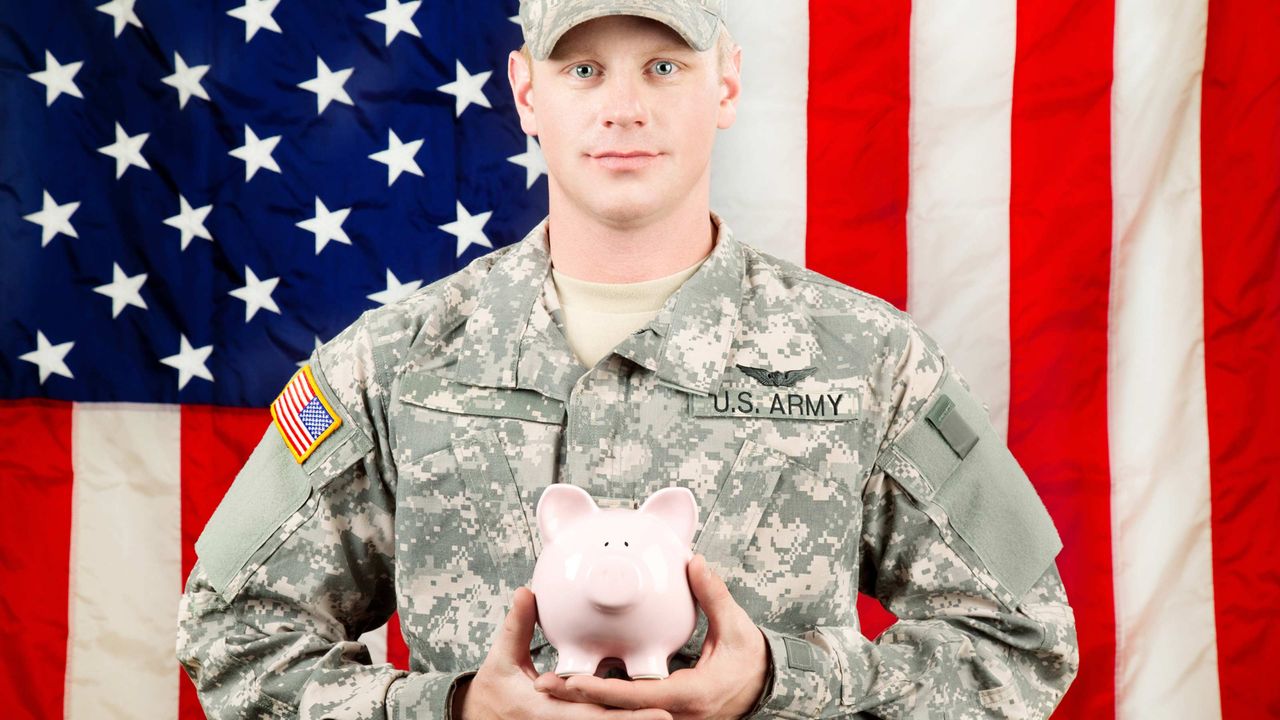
x,y
957,544
297,562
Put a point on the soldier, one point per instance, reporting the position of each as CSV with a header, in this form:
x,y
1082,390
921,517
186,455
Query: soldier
x,y
629,343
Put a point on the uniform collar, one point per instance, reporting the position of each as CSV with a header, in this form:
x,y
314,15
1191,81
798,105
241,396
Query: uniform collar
x,y
512,340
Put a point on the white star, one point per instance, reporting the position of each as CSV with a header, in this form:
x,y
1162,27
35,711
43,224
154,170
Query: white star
x,y
398,17
256,294
123,290
395,291
532,160
189,362
467,89
126,150
190,221
327,226
515,18
398,157
122,11
307,359
53,219
186,80
256,15
328,86
256,153
49,358
468,229
57,79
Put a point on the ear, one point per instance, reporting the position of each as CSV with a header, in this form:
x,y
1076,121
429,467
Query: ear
x,y
730,90
520,76
561,506
676,508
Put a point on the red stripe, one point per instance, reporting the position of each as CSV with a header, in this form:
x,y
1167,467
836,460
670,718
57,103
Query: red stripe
x,y
1240,156
35,533
297,401
858,162
857,157
298,435
216,442
397,650
1060,266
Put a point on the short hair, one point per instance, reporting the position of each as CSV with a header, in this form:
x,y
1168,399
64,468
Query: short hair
x,y
724,47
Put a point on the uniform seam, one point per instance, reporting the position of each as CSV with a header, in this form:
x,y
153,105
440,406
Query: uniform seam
x,y
913,419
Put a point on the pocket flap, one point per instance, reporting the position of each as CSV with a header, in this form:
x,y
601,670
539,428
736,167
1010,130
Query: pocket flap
x,y
440,393
741,500
952,456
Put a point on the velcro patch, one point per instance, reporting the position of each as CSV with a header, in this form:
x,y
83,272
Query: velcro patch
x,y
303,415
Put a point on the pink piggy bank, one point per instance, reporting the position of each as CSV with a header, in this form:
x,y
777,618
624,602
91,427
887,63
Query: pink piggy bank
x,y
613,583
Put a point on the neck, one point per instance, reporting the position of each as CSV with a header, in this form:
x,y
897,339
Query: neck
x,y
588,247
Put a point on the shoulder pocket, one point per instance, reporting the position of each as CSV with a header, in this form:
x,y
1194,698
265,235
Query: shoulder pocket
x,y
268,489
950,455
267,502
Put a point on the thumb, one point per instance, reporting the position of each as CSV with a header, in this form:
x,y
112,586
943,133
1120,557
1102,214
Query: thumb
x,y
708,589
515,635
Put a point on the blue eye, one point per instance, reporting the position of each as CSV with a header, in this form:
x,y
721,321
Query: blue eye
x,y
578,68
662,63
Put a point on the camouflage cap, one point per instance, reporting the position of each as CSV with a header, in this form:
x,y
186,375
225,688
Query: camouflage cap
x,y
545,21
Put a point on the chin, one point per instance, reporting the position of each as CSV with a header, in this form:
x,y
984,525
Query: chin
x,y
628,210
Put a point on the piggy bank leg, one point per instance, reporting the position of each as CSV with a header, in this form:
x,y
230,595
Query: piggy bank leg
x,y
647,665
577,663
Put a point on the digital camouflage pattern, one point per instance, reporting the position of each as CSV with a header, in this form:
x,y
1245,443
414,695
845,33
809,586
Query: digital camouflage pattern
x,y
544,21
463,401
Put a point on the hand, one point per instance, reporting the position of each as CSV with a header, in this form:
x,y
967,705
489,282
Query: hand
x,y
503,686
726,682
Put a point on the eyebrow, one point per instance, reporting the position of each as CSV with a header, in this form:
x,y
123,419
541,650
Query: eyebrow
x,y
665,47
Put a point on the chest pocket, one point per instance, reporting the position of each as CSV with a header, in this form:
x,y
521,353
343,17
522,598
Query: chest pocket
x,y
471,461
784,538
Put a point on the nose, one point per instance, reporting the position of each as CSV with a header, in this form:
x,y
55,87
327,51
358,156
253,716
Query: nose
x,y
613,584
624,103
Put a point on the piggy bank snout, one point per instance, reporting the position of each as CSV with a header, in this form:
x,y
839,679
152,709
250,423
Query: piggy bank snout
x,y
613,584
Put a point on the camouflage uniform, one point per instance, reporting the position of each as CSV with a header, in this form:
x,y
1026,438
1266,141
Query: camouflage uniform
x,y
877,471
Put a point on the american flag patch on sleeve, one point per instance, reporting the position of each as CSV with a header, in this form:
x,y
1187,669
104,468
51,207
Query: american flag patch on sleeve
x,y
302,415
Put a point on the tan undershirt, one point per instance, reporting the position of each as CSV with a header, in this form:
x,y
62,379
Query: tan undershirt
x,y
598,316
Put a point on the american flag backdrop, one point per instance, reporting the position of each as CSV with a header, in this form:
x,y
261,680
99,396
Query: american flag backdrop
x,y
1080,199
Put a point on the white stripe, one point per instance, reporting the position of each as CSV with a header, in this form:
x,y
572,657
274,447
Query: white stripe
x,y
758,167
962,57
1166,655
376,641
126,563
295,407
283,413
284,416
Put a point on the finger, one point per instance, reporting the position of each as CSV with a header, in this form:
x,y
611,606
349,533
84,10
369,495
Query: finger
x,y
552,685
707,587
568,710
726,620
556,686
675,691
516,633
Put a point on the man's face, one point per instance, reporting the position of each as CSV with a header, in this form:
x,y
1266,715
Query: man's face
x,y
625,84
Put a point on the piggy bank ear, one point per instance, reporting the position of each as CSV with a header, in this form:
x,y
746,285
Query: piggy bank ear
x,y
676,508
560,506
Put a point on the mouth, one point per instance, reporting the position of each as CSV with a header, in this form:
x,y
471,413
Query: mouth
x,y
626,160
